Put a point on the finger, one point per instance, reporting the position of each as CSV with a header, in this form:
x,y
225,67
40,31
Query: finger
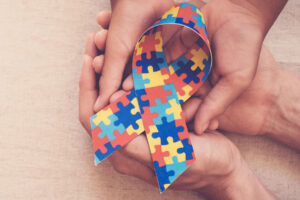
x,y
213,125
190,107
98,63
217,100
100,39
87,85
138,149
128,83
118,49
103,18
90,48
116,95
129,166
203,90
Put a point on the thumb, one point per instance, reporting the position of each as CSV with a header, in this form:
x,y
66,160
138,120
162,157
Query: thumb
x,y
226,90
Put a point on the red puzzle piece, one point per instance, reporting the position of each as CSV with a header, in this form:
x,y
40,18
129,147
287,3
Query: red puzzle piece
x,y
159,155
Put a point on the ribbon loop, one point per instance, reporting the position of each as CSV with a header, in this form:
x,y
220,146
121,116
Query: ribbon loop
x,y
154,105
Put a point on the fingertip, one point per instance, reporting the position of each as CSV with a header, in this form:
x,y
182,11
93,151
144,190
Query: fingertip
x,y
90,48
103,18
213,125
98,63
116,95
128,83
100,39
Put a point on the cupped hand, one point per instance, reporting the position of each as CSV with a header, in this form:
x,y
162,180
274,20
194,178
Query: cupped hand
x,y
249,112
217,157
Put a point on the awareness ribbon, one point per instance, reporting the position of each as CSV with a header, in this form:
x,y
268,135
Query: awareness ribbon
x,y
154,105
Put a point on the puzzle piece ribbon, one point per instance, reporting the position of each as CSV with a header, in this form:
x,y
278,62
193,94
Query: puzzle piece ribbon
x,y
154,105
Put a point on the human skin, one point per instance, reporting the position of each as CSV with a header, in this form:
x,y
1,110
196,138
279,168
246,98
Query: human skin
x,y
244,24
215,174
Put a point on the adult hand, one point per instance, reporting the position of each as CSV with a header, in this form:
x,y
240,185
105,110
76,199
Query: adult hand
x,y
219,170
236,29
250,111
236,36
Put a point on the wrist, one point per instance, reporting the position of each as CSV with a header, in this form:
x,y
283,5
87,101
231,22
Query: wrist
x,y
283,122
266,12
241,183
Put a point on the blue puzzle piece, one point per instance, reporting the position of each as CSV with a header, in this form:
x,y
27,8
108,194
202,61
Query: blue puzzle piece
x,y
125,117
139,81
173,94
99,156
185,68
162,175
199,21
177,168
169,19
206,68
131,95
167,129
155,61
185,5
187,149
139,93
190,24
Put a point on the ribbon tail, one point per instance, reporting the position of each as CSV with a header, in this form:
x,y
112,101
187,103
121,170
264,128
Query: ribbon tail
x,y
116,125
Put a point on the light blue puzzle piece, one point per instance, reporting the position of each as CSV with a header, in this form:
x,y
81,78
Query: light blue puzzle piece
x,y
161,110
173,95
139,82
177,167
108,130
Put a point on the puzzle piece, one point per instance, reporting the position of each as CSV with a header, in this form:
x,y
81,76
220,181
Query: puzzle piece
x,y
171,147
152,141
177,168
159,155
154,61
157,78
187,149
100,144
125,117
166,131
153,93
168,17
162,175
108,130
160,108
138,80
122,139
99,156
185,68
175,109
152,42
102,116
142,103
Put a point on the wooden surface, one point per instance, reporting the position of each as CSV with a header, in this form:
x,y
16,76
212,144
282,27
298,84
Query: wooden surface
x,y
44,151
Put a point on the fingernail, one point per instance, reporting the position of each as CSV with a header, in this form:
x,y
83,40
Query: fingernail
x,y
97,104
205,127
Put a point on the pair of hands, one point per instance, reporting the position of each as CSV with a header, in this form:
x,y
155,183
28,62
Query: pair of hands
x,y
218,160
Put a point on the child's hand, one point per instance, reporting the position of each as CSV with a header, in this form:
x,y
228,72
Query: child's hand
x,y
129,19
